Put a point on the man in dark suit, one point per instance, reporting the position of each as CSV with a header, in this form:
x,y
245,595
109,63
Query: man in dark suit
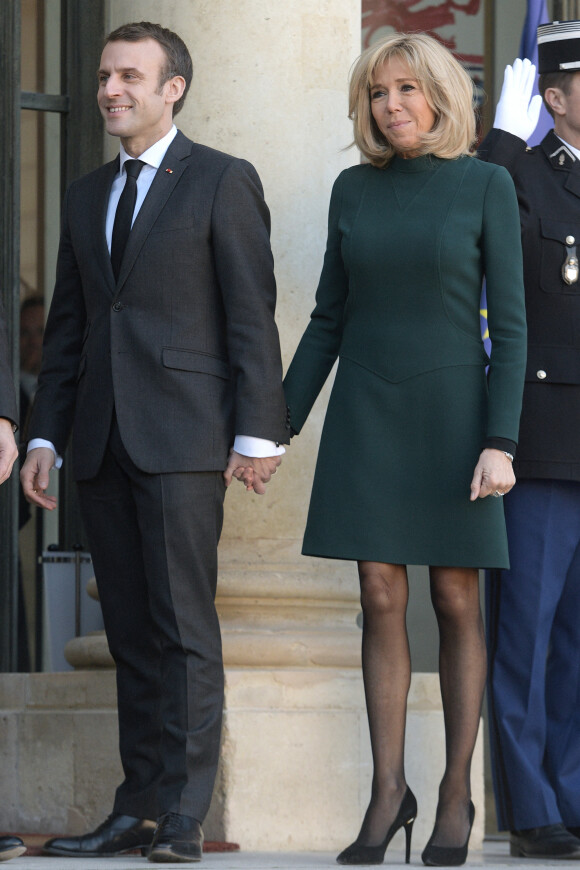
x,y
10,847
157,355
533,609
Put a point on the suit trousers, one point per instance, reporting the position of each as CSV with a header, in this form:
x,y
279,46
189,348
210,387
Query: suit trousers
x,y
153,540
533,632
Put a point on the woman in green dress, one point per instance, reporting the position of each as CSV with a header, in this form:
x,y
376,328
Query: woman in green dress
x,y
418,433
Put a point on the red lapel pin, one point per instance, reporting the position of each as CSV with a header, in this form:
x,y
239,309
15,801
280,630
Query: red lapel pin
x,y
170,171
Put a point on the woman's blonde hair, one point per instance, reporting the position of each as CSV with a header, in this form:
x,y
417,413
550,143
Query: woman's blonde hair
x,y
447,87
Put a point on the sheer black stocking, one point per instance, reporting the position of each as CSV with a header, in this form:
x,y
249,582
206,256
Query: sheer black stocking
x,y
386,668
462,669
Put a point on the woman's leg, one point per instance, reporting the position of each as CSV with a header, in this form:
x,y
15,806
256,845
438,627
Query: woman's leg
x,y
386,668
462,670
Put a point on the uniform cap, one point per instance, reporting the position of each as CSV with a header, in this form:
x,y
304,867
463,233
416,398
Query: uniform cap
x,y
559,47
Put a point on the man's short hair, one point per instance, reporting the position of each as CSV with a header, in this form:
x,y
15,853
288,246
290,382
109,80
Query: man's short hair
x,y
178,59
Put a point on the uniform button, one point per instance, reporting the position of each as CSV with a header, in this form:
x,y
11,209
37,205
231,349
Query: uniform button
x,y
570,240
117,306
541,374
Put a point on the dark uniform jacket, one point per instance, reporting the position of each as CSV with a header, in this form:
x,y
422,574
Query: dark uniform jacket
x,y
547,180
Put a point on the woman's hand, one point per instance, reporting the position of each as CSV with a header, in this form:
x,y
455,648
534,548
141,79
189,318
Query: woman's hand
x,y
493,474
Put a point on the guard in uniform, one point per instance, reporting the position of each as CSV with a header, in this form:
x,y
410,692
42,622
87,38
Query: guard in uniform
x,y
533,610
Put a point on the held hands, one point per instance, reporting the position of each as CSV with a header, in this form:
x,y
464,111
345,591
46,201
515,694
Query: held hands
x,y
8,449
254,472
493,474
34,477
517,111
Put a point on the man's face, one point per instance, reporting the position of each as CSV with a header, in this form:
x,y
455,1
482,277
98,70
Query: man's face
x,y
131,102
567,111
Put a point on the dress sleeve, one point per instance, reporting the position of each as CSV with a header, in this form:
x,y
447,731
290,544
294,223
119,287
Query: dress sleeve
x,y
502,252
319,346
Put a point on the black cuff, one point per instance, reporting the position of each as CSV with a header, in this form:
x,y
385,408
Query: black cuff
x,y
504,444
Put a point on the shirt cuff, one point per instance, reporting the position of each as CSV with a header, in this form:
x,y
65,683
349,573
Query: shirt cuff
x,y
259,448
40,442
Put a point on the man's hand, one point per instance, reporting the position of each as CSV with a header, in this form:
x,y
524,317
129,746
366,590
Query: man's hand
x,y
34,477
517,111
493,474
8,449
254,472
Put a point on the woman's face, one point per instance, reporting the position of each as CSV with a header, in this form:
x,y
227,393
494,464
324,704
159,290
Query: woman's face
x,y
399,107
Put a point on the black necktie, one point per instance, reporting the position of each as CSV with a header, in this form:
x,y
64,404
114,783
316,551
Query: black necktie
x,y
124,214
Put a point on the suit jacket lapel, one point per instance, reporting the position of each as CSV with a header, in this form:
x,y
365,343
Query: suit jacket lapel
x,y
99,221
166,178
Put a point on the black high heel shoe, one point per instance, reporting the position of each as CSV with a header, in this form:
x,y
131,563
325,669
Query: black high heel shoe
x,y
357,853
448,856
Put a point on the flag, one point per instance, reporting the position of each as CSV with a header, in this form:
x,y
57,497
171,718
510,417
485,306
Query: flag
x,y
483,321
537,14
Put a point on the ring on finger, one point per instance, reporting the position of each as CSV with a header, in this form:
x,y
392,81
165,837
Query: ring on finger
x,y
498,494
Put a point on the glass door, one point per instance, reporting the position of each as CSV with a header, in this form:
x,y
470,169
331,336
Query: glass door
x,y
49,53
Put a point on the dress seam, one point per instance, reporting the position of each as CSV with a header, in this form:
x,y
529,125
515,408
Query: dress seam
x,y
383,377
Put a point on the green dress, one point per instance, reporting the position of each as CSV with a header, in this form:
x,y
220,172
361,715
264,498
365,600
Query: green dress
x,y
411,405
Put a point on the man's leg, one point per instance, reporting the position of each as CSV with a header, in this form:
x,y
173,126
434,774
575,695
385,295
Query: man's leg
x,y
180,529
162,626
563,674
521,604
110,517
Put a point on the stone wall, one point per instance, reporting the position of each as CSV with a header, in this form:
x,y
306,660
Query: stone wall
x,y
295,764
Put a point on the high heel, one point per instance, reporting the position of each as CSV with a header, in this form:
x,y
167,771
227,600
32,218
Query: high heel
x,y
448,856
357,853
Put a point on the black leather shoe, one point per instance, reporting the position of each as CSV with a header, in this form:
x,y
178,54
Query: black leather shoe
x,y
549,841
11,847
115,836
177,838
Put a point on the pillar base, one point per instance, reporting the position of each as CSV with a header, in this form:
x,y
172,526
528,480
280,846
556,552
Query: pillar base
x,y
295,764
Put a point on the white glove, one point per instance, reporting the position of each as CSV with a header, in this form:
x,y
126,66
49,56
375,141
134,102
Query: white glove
x,y
517,111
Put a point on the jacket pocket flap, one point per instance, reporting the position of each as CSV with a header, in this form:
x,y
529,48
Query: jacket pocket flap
x,y
558,231
193,361
553,365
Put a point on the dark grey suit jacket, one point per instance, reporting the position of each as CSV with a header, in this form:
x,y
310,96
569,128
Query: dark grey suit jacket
x,y
7,393
184,347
